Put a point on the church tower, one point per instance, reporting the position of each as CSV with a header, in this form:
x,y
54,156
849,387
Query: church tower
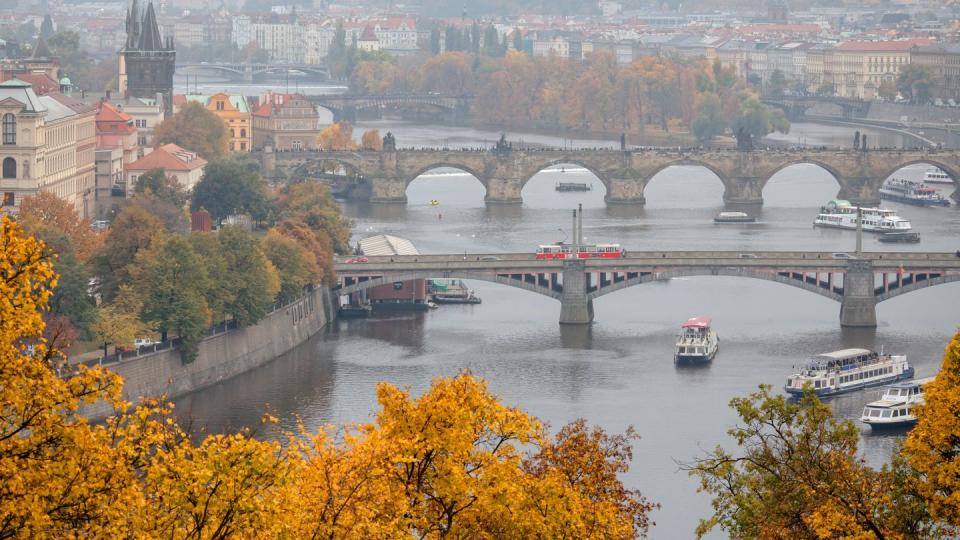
x,y
147,61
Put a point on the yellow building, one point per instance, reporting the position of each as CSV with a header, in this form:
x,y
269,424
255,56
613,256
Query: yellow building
x,y
48,143
233,110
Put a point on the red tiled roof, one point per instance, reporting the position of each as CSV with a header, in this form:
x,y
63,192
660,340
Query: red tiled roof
x,y
109,113
42,83
168,157
368,34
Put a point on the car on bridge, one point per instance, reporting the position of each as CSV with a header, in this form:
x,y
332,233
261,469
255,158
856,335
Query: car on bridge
x,y
842,256
353,260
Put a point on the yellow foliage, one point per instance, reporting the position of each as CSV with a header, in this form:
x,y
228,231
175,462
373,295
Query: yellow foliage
x,y
933,446
371,140
338,136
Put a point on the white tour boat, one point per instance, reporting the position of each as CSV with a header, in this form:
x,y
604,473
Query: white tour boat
x,y
936,176
697,343
911,192
846,370
840,214
896,408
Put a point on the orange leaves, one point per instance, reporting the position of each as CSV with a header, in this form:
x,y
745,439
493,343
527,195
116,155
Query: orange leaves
x,y
337,136
46,210
371,140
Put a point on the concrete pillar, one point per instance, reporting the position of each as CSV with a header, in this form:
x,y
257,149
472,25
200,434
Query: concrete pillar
x,y
625,191
387,190
503,191
743,190
575,305
859,306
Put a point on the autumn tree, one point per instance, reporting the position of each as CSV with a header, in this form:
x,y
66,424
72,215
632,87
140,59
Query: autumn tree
x,y
119,322
317,244
798,474
218,290
312,203
758,119
133,231
371,140
914,82
337,136
71,298
165,188
296,266
709,121
46,210
447,73
230,185
174,284
196,129
252,280
933,446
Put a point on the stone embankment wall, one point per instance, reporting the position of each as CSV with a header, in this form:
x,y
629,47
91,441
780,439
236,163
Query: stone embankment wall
x,y
222,356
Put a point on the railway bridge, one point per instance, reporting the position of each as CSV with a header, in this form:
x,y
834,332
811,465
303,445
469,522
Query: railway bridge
x,y
624,173
858,283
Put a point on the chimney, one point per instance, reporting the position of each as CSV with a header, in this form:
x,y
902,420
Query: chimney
x,y
108,94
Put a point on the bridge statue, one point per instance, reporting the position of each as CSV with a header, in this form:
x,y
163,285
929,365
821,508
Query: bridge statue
x,y
863,142
623,141
502,145
744,140
389,143
856,140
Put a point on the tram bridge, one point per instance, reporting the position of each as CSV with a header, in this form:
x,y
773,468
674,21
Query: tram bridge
x,y
857,283
624,173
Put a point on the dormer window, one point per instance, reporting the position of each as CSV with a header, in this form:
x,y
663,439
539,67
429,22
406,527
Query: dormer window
x,y
219,105
9,129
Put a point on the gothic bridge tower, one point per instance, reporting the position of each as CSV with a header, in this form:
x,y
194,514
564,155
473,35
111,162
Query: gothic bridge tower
x,y
147,61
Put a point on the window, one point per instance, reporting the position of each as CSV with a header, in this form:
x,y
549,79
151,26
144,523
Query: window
x,y
9,168
219,105
9,129
243,146
9,198
243,133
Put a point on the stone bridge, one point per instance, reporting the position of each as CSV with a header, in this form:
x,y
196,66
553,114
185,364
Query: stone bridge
x,y
625,174
248,72
795,107
857,283
346,106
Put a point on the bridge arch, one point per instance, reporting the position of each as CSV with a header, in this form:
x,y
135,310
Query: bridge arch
x,y
917,285
951,169
314,167
490,277
591,168
662,169
447,188
778,277
836,188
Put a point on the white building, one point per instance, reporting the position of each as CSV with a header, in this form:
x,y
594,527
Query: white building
x,y
175,162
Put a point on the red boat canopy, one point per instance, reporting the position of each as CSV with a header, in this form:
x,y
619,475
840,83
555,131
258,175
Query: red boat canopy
x,y
698,322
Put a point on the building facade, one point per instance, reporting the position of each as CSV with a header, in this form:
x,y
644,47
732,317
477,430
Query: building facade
x,y
47,143
857,69
233,109
943,63
286,123
183,165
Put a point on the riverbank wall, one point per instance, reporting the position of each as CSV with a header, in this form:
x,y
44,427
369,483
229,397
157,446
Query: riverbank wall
x,y
222,356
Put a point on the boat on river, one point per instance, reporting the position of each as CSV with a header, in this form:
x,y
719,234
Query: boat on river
x,y
936,176
573,186
900,237
698,343
734,217
897,407
911,192
840,214
846,370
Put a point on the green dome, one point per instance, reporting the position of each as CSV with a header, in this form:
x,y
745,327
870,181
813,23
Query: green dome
x,y
65,81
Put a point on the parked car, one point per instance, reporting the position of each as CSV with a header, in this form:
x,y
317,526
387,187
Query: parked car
x,y
747,256
357,260
100,225
144,342
842,256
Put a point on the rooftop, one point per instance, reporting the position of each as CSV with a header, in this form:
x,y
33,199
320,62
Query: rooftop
x,y
385,244
168,157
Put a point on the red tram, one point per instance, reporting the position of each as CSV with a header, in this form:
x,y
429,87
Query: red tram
x,y
566,251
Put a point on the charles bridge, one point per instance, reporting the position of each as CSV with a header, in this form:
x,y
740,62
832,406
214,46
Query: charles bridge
x,y
383,176
857,282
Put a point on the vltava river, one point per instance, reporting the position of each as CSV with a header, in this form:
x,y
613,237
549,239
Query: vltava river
x,y
619,371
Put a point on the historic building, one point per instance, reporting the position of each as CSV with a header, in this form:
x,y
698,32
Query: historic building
x,y
116,147
232,109
147,61
943,62
286,123
857,69
183,165
47,143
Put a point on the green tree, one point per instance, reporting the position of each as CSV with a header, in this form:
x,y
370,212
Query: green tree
x,y
295,265
798,475
231,184
119,322
218,291
174,283
194,128
46,27
163,187
827,88
252,279
887,90
133,231
777,84
758,119
709,121
914,82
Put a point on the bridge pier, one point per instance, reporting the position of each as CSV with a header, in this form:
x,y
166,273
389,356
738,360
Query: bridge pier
x,y
503,191
859,305
385,190
745,190
625,191
576,307
859,191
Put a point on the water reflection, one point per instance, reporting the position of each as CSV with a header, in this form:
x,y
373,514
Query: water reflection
x,y
576,336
